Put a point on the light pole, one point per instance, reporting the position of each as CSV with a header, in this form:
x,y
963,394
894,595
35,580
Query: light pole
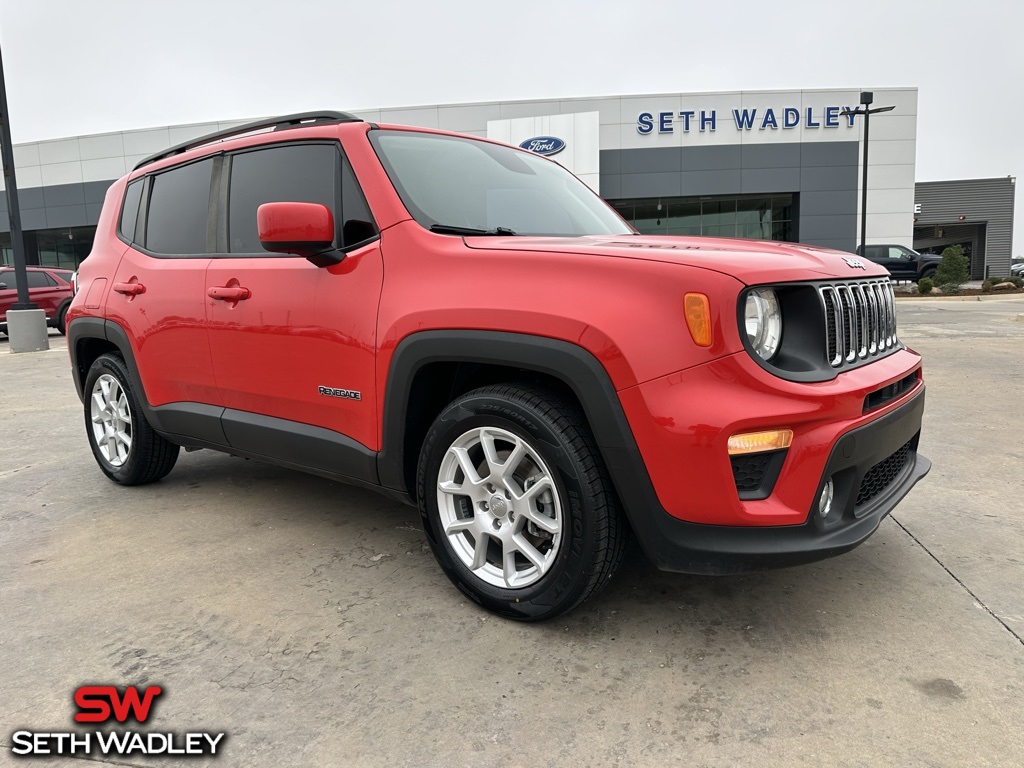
x,y
26,324
866,97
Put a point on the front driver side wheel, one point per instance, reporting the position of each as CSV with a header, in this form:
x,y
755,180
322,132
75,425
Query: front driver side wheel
x,y
125,446
517,504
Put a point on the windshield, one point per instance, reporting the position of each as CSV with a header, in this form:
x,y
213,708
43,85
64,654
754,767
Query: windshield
x,y
450,183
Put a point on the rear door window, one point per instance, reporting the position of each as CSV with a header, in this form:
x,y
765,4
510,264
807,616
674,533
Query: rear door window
x,y
179,210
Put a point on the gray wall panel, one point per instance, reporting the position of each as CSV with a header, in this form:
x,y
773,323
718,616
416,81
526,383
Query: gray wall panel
x,y
826,178
719,158
95,191
814,229
60,205
844,244
711,182
770,156
611,187
63,194
830,153
30,198
828,203
761,180
988,201
656,160
34,218
611,161
67,216
651,185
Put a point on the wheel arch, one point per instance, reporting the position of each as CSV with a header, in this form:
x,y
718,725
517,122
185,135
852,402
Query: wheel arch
x,y
90,337
431,368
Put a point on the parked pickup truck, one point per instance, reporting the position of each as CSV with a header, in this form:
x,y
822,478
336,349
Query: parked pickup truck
x,y
903,263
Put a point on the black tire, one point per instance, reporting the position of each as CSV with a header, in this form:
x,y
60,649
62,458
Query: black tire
x,y
61,325
592,534
928,273
149,457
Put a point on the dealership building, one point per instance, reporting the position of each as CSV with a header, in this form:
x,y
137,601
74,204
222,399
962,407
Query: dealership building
x,y
780,165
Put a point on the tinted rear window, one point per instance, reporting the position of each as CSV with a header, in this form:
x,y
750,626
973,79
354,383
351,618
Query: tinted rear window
x,y
178,210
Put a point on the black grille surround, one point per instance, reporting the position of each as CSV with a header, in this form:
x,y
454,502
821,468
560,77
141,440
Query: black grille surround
x,y
828,327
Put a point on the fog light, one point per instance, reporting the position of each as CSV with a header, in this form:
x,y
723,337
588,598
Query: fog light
x,y
825,500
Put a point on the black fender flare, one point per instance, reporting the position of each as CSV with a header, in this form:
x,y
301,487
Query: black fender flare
x,y
82,328
571,364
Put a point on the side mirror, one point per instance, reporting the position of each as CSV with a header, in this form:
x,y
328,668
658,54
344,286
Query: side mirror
x,y
305,229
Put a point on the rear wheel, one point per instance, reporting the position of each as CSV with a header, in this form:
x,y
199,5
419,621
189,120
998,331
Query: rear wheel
x,y
62,320
516,502
126,447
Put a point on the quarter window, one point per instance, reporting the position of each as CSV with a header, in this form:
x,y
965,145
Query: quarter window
x,y
179,210
130,211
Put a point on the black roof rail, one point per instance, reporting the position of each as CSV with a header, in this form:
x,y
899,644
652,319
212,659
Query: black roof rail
x,y
285,122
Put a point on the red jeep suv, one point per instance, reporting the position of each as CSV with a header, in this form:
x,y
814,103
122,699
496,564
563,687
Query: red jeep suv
x,y
468,328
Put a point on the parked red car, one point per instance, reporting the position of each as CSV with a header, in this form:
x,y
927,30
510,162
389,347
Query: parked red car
x,y
468,328
49,289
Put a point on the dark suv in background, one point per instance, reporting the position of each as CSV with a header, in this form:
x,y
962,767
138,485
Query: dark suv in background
x,y
903,263
48,289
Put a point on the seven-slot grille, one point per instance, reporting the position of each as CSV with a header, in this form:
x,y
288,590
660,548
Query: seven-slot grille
x,y
860,320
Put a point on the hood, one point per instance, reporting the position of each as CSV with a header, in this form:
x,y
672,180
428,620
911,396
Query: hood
x,y
752,262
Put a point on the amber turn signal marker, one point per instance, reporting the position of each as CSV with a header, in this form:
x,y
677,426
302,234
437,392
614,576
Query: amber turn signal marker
x,y
758,442
698,318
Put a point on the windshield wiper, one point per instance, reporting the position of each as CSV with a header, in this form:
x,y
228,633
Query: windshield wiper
x,y
445,229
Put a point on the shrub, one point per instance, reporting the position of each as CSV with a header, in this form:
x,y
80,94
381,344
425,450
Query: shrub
x,y
1017,282
925,285
952,271
986,286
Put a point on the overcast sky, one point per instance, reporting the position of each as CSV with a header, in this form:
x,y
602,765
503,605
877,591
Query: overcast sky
x,y
88,66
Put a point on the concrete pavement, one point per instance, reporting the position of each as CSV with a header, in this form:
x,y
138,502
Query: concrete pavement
x,y
309,621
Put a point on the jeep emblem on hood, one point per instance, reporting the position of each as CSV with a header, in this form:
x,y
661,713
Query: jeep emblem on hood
x,y
854,263
544,145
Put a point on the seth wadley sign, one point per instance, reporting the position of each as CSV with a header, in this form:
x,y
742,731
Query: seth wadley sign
x,y
742,119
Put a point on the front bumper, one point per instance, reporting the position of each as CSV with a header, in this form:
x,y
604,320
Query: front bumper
x,y
686,508
677,545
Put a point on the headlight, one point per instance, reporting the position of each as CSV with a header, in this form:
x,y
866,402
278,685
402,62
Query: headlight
x,y
763,319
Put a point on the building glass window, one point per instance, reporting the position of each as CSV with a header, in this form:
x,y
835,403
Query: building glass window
x,y
767,217
62,248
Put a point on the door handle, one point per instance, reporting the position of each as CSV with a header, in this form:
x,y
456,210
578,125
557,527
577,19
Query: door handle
x,y
129,289
229,293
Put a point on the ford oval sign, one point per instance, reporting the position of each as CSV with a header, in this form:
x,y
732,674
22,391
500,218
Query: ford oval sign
x,y
544,145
